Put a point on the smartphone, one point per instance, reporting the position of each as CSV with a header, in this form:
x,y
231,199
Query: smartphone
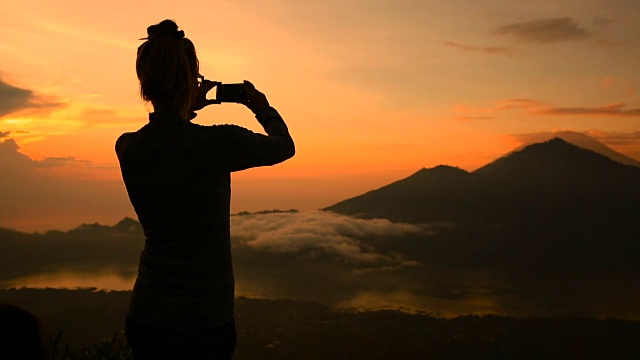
x,y
230,92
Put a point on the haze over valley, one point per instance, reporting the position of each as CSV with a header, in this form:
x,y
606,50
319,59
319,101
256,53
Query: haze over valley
x,y
547,230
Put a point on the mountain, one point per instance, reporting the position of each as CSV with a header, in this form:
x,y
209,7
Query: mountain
x,y
547,180
551,208
436,192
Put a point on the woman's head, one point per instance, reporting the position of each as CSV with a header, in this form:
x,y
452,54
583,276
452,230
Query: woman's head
x,y
167,67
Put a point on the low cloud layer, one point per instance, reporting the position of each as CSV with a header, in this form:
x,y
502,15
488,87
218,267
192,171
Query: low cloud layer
x,y
319,231
338,261
551,30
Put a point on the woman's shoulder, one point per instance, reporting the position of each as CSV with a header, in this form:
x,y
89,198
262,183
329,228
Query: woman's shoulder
x,y
122,141
127,138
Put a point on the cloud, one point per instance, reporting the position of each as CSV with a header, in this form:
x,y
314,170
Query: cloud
x,y
627,143
318,231
615,137
466,112
545,31
12,161
615,84
14,99
481,49
509,104
616,109
472,118
54,191
609,83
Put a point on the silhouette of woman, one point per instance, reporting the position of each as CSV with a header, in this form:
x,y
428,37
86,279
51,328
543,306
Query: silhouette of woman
x,y
177,175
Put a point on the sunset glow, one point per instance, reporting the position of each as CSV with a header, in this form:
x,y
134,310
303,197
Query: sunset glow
x,y
371,91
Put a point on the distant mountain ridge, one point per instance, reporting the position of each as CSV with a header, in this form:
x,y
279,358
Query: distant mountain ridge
x,y
549,179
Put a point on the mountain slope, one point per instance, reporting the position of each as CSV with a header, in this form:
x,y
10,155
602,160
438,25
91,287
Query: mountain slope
x,y
545,180
435,194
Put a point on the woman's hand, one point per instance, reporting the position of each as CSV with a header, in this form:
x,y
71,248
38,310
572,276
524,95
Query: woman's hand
x,y
201,100
254,100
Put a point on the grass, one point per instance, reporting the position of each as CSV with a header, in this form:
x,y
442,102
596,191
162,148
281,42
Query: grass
x,y
115,348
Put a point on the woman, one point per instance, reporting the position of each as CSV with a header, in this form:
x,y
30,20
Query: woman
x,y
177,175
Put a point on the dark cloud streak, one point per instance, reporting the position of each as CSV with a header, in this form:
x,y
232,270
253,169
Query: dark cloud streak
x,y
481,49
617,109
535,107
14,99
545,31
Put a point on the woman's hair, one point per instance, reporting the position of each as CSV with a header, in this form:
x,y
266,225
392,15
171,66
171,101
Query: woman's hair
x,y
167,67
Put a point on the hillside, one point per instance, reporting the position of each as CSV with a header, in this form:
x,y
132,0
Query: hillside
x,y
283,329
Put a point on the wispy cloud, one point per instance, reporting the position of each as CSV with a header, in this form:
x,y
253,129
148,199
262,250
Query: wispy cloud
x,y
509,104
466,112
479,49
617,109
472,118
550,30
616,84
609,83
615,138
535,107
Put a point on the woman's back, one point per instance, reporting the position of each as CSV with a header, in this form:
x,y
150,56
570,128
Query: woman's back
x,y
177,175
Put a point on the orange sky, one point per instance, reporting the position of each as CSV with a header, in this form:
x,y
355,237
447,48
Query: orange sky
x,y
372,91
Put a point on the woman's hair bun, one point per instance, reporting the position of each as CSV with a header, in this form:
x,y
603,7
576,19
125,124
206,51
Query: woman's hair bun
x,y
166,28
